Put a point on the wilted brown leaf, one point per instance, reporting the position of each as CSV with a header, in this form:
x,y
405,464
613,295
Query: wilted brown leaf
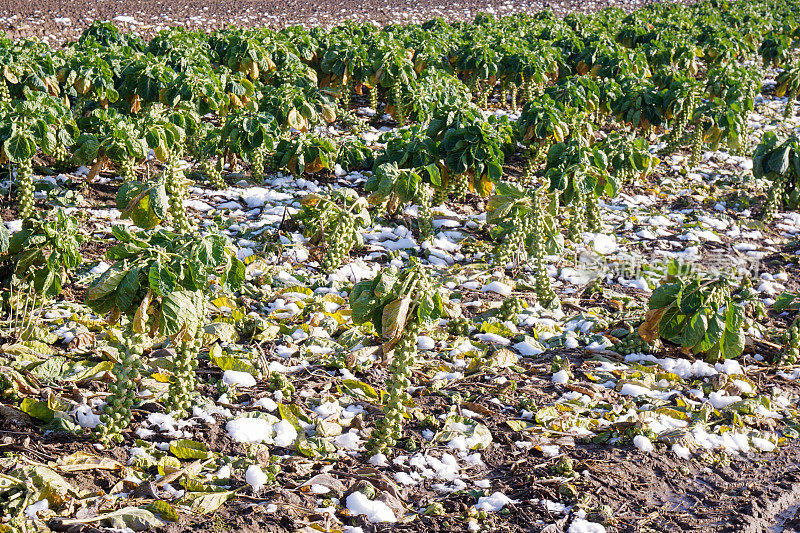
x,y
649,328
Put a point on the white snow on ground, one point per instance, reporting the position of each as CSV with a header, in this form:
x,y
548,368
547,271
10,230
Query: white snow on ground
x,y
375,511
255,477
494,502
233,377
33,509
250,430
643,443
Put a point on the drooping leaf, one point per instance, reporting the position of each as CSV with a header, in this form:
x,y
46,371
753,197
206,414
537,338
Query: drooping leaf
x,y
395,315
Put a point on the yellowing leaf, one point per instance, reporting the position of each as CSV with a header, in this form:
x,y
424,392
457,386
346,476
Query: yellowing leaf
x,y
205,502
394,318
140,318
649,328
79,461
310,200
517,425
485,186
36,409
227,362
128,517
358,388
188,449
52,486
164,510
224,302
168,465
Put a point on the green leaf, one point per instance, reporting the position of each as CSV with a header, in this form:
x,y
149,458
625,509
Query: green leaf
x,y
734,315
714,331
127,193
159,201
180,308
430,307
363,301
385,283
690,299
779,160
19,148
785,301
671,324
695,329
161,279
127,289
236,275
87,147
732,344
664,295
107,283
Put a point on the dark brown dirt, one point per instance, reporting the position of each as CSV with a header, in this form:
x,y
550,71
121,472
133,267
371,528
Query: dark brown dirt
x,y
101,195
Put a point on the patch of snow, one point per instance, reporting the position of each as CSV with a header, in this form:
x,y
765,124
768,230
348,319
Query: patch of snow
x,y
581,525
495,502
681,451
234,377
643,443
604,244
32,510
425,343
498,287
721,400
375,511
255,477
250,430
266,403
348,441
85,417
493,337
285,433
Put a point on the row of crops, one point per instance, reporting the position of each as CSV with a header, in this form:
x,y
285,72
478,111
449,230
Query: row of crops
x,y
587,106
